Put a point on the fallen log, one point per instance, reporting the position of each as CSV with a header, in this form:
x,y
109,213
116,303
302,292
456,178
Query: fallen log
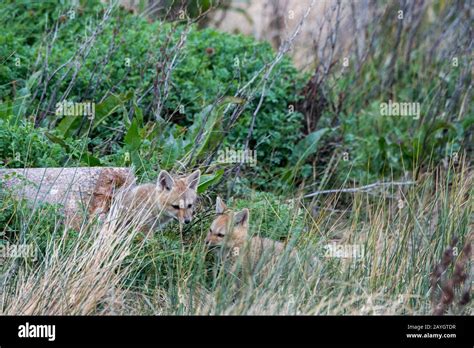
x,y
79,191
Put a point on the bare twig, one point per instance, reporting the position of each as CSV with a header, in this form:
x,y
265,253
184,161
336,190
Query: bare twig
x,y
359,189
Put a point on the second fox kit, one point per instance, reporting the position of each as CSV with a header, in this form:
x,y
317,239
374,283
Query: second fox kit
x,y
229,231
170,198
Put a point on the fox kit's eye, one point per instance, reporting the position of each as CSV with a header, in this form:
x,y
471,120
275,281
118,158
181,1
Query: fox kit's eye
x,y
220,235
190,205
175,206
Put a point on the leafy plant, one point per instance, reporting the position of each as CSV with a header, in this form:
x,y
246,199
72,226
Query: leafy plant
x,y
22,145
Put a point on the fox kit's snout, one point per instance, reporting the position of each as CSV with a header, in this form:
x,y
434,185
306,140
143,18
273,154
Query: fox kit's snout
x,y
228,229
170,198
177,197
230,232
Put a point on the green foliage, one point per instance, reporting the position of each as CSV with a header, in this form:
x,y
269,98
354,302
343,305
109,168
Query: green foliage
x,y
387,146
22,224
307,147
271,216
211,64
22,145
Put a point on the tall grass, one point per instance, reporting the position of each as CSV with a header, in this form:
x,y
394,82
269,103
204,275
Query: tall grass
x,y
109,268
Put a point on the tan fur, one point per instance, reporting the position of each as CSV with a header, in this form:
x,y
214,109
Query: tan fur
x,y
230,233
159,204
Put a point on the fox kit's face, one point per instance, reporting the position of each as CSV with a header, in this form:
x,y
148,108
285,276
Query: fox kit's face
x,y
178,195
228,229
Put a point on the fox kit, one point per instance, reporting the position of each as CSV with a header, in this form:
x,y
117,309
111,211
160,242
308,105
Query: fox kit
x,y
229,231
170,198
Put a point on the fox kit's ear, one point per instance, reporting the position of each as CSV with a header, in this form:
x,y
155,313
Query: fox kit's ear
x,y
220,206
193,179
242,217
165,181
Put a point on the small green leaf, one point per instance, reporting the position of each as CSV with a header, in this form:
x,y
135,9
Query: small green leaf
x,y
307,146
132,139
208,180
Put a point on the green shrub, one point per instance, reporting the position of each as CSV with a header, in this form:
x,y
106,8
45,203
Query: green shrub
x,y
211,64
387,147
22,145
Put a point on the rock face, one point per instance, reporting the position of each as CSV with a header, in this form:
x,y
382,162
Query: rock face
x,y
80,191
